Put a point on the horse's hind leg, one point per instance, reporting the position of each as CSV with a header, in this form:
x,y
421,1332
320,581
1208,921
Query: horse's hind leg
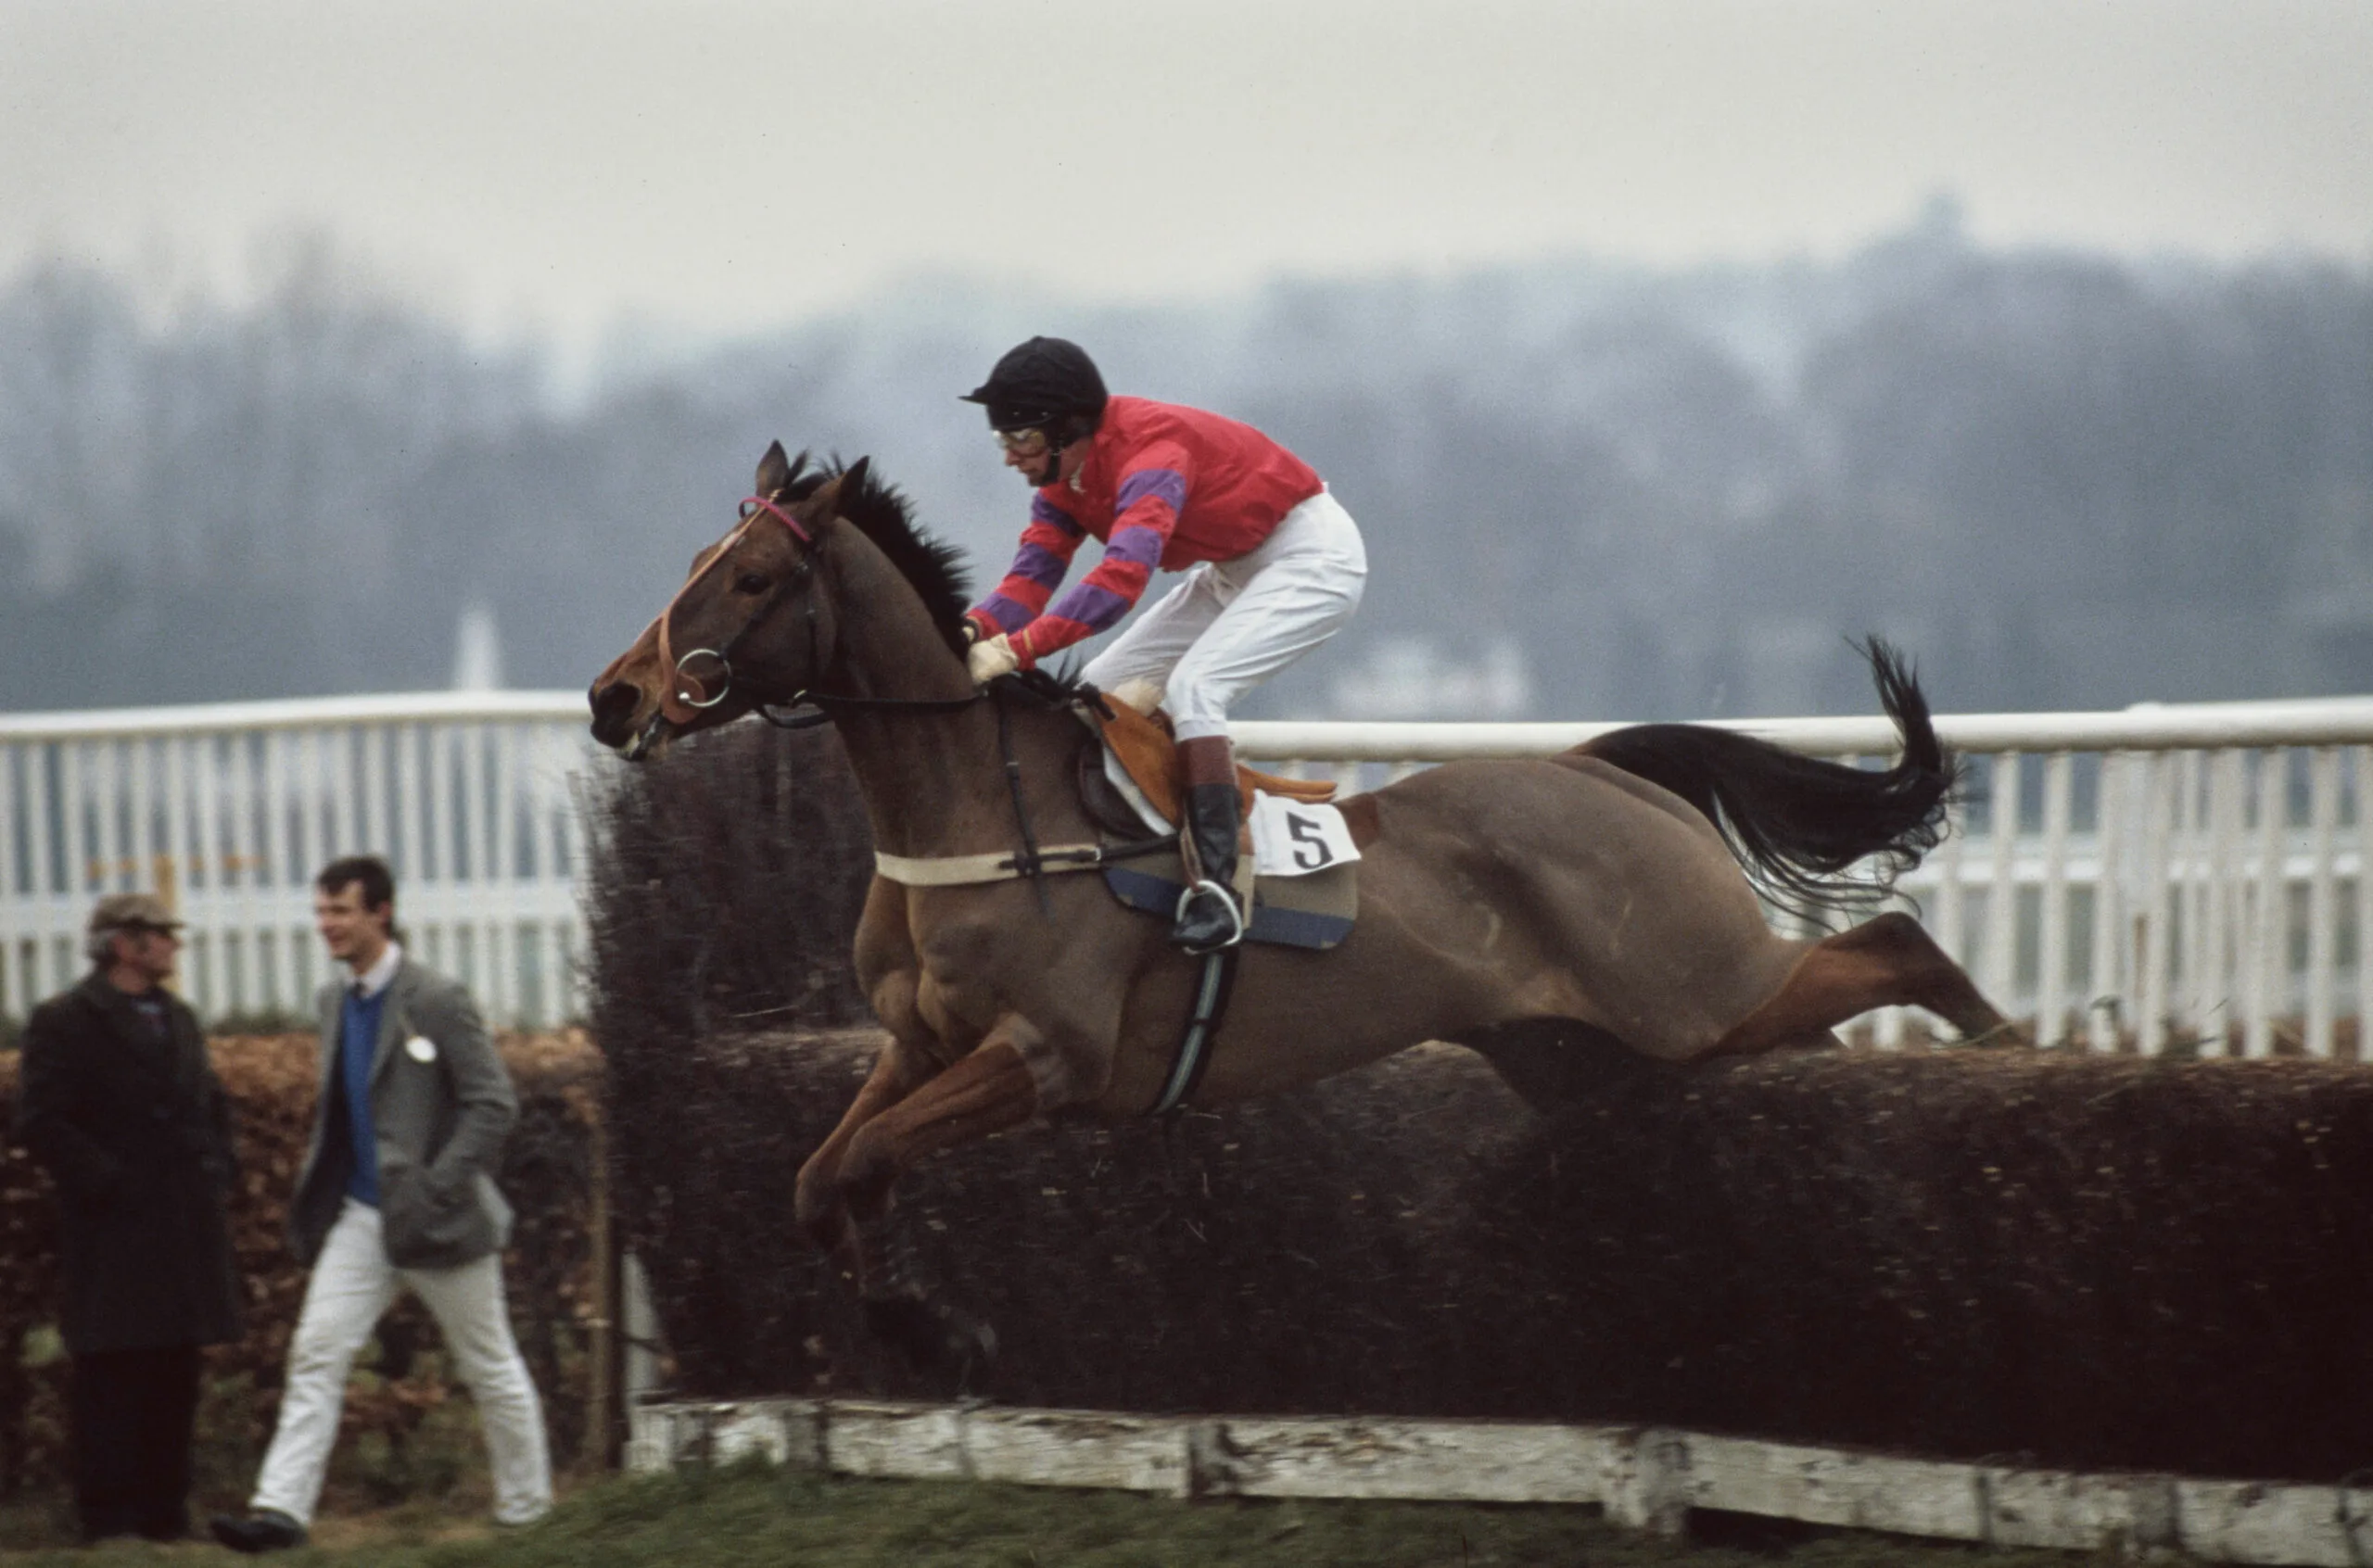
x,y
1883,963
1553,1063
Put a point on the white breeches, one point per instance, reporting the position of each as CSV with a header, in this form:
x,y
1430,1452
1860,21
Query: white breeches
x,y
1231,625
352,1286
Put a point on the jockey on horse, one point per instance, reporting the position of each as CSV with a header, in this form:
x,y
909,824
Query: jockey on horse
x,y
1273,564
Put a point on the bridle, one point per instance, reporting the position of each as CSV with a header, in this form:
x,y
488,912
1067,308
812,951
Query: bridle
x,y
681,706
686,693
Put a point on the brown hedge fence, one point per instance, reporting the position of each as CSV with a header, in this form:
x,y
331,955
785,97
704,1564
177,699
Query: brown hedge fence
x,y
547,1173
2081,1262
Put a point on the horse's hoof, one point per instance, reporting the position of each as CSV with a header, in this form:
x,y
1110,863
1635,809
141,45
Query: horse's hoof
x,y
932,1335
823,1221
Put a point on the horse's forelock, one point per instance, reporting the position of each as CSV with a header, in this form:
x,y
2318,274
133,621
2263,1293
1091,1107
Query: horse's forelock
x,y
805,481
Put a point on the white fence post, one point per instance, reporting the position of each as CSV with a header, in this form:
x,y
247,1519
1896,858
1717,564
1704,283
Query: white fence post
x,y
2000,947
2323,814
2362,756
2052,937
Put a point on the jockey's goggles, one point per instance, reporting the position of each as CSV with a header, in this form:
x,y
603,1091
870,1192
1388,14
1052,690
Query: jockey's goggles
x,y
1024,443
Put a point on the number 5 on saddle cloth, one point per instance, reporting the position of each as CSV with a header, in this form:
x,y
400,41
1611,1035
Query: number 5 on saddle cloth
x,y
1297,869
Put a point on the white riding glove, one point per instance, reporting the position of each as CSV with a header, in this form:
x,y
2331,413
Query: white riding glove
x,y
991,659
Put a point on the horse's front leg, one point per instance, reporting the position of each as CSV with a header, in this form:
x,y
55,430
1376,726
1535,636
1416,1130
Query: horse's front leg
x,y
985,1092
816,1197
891,975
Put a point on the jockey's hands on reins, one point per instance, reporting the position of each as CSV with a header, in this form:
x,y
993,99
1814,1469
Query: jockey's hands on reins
x,y
991,659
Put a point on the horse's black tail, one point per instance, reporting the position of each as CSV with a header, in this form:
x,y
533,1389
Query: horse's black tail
x,y
1797,822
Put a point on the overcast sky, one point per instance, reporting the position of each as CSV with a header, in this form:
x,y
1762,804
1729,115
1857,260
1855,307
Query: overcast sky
x,y
548,168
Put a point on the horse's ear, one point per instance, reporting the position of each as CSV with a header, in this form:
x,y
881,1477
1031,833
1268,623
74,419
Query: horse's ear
x,y
774,471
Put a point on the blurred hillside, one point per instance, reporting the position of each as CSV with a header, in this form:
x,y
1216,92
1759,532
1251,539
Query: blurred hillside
x,y
1589,491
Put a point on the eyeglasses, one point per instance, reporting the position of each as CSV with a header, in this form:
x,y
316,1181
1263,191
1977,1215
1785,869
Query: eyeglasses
x,y
1024,443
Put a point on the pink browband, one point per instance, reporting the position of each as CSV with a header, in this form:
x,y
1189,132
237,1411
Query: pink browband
x,y
785,518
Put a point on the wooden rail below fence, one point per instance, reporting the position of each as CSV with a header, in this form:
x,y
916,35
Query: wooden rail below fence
x,y
1645,1477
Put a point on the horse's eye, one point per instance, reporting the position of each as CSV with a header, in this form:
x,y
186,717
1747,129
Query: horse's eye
x,y
749,581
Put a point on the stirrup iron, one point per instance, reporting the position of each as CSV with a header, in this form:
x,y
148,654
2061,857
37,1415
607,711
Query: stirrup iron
x,y
1228,901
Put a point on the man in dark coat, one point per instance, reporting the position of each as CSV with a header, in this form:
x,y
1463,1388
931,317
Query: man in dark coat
x,y
117,1099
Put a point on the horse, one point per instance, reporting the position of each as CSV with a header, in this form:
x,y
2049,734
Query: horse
x,y
1604,899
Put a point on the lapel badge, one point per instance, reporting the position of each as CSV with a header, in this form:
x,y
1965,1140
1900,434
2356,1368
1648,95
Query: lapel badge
x,y
420,1048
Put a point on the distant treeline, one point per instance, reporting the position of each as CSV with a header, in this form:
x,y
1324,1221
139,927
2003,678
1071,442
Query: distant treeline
x,y
2060,479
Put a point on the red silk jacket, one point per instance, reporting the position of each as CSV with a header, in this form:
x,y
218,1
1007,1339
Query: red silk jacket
x,y
1163,485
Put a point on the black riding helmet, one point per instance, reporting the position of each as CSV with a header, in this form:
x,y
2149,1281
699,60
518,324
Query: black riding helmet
x,y
1047,384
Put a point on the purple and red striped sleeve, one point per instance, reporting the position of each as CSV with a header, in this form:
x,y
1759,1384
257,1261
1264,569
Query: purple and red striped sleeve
x,y
1146,504
1048,543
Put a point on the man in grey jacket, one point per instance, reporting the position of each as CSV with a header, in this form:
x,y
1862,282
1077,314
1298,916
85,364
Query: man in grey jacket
x,y
396,1193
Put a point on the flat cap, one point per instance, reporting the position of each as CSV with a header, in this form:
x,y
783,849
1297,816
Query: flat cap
x,y
131,911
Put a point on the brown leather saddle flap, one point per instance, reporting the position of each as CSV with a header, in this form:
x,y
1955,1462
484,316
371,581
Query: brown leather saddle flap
x,y
1150,758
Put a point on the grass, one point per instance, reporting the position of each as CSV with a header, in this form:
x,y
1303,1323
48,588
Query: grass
x,y
748,1513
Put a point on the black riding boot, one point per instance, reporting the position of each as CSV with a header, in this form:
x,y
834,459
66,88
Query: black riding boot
x,y
1208,916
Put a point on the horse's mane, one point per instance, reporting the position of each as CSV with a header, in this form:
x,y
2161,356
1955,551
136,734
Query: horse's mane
x,y
933,567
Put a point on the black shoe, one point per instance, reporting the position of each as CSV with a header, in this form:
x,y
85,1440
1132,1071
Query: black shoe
x,y
1208,918
267,1529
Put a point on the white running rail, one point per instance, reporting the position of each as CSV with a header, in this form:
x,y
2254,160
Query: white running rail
x,y
2179,876
231,808
2188,875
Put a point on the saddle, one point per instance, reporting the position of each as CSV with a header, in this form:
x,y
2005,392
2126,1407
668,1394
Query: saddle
x,y
1312,911
1145,750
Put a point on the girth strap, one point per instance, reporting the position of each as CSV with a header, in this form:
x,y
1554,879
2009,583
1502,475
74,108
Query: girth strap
x,y
1211,986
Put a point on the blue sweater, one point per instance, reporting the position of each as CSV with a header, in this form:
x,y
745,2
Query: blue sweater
x,y
358,1033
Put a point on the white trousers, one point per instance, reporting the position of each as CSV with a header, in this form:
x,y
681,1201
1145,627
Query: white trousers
x,y
1231,625
352,1286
